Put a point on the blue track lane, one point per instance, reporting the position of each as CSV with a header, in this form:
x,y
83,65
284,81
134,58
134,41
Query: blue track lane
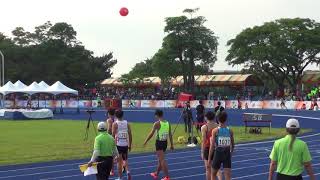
x,y
250,161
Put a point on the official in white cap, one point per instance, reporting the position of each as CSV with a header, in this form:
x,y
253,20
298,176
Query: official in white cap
x,y
104,151
290,155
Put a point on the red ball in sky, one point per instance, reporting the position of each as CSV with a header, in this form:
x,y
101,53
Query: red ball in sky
x,y
124,11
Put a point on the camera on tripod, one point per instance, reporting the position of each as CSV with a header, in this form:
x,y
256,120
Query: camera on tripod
x,y
90,121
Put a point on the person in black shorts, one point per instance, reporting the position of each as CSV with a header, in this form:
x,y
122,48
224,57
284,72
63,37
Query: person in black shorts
x,y
163,130
206,131
121,131
222,145
200,115
187,118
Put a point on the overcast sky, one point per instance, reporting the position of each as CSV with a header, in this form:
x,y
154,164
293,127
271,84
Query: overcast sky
x,y
139,35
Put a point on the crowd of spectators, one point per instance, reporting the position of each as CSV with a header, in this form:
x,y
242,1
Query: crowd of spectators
x,y
172,93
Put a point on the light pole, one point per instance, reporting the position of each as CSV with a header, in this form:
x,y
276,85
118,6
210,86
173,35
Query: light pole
x,y
2,71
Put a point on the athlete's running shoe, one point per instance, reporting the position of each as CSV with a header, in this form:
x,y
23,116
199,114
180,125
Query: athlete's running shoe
x,y
154,175
165,178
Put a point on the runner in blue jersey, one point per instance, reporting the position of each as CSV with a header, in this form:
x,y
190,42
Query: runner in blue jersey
x,y
222,146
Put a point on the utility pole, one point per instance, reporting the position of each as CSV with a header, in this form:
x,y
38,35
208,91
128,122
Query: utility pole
x,y
2,71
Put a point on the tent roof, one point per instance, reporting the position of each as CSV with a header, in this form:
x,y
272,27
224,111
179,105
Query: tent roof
x,y
33,88
220,80
43,84
59,88
8,88
200,80
20,85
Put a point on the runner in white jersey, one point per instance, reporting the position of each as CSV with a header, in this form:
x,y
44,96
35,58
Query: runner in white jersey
x,y
121,131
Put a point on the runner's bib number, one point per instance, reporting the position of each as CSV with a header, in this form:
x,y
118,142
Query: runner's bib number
x,y
122,135
224,141
164,136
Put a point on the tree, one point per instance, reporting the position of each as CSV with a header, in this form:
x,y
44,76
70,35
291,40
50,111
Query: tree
x,y
104,64
52,53
141,70
21,37
281,49
64,32
165,67
41,33
190,43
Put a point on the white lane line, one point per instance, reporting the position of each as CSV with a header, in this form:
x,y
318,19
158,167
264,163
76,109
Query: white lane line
x,y
258,174
144,167
196,167
252,175
63,177
271,141
131,158
193,161
62,165
240,161
308,175
303,117
40,173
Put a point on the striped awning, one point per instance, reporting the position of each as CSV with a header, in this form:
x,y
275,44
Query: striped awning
x,y
201,80
151,81
112,82
178,81
216,80
311,78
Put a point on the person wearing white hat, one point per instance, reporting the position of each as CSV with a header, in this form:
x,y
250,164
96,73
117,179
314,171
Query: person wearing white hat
x,y
290,155
104,151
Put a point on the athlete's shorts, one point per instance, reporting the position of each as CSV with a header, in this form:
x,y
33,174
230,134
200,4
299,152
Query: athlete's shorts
x,y
206,154
222,156
123,151
286,177
161,145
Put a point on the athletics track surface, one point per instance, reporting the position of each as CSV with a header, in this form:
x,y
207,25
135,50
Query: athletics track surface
x,y
250,161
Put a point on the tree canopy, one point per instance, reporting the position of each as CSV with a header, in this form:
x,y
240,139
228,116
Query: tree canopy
x,y
189,48
50,53
280,49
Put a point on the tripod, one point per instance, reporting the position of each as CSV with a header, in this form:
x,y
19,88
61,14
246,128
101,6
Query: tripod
x,y
90,121
191,139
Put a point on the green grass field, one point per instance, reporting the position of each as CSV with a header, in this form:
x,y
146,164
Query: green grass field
x,y
48,140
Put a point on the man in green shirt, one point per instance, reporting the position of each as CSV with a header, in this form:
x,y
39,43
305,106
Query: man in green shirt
x,y
104,151
290,155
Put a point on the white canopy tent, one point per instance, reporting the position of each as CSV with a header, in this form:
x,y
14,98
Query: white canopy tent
x,y
59,88
8,88
43,85
19,85
55,89
33,89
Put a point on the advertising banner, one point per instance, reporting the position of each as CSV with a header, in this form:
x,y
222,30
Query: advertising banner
x,y
170,103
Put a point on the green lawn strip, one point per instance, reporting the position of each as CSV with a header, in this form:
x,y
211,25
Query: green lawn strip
x,y
49,140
